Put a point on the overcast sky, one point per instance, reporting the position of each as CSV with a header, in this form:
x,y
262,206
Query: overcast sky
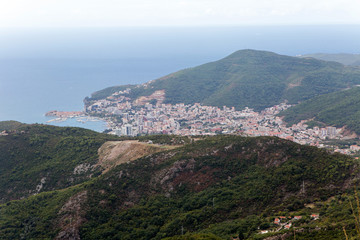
x,y
114,13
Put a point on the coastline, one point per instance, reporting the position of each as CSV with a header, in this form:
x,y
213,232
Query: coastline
x,y
83,121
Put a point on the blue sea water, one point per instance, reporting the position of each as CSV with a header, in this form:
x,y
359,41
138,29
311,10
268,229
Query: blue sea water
x,y
92,123
55,69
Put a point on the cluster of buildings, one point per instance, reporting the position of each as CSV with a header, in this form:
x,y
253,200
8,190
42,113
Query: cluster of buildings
x,y
283,222
4,133
9,132
149,115
62,116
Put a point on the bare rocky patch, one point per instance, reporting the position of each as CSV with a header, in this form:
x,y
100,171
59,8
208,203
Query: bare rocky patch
x,y
114,153
295,83
72,217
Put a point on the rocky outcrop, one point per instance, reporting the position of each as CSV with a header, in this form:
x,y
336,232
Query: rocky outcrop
x,y
71,217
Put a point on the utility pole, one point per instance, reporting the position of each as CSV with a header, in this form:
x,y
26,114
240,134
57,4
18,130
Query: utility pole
x,y
303,187
294,234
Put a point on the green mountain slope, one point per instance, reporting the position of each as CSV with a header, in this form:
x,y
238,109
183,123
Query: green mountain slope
x,y
9,125
343,58
249,78
338,109
213,188
108,91
37,158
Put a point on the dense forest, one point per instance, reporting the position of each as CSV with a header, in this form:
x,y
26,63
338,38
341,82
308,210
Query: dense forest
x,y
200,188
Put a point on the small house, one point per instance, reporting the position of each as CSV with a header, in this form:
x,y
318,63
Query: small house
x,y
315,216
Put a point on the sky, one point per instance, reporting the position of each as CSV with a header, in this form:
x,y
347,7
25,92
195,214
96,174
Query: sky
x,y
120,13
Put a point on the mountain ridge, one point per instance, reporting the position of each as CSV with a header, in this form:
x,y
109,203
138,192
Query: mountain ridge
x,y
247,78
344,58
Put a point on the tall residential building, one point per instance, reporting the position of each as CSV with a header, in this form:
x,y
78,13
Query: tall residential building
x,y
127,130
331,131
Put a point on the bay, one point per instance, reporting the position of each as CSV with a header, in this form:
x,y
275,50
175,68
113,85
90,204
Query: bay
x,y
55,69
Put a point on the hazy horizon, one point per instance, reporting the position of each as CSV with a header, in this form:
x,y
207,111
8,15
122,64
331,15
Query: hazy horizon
x,y
85,13
113,43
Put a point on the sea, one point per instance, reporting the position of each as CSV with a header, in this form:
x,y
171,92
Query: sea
x,y
55,69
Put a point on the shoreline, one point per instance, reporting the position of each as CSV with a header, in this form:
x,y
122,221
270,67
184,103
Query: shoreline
x,y
84,121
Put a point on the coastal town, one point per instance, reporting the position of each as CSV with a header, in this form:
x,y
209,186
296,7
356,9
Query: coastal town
x,y
149,115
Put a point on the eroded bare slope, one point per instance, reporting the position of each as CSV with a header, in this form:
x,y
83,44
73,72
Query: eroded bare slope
x,y
113,153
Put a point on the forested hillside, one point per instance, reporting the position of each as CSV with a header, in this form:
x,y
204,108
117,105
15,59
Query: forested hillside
x,y
337,109
37,158
9,125
248,78
209,188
